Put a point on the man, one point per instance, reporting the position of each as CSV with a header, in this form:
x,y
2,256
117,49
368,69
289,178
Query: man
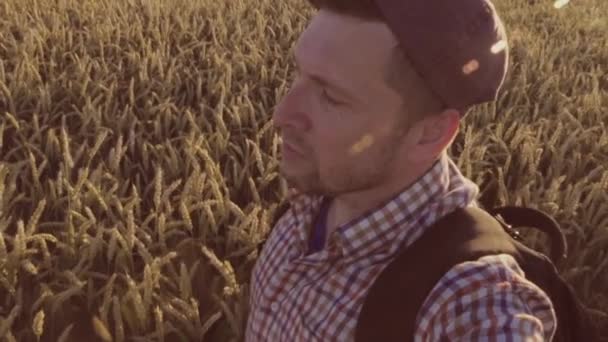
x,y
379,94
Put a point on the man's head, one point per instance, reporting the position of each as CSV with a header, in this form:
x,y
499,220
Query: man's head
x,y
374,120
358,114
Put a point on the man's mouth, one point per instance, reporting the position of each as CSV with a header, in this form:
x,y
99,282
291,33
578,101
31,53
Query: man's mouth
x,y
292,147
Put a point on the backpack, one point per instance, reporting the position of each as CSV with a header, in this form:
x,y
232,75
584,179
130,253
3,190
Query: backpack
x,y
467,234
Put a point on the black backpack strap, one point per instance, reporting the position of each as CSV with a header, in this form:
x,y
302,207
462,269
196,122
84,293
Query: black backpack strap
x,y
465,234
522,216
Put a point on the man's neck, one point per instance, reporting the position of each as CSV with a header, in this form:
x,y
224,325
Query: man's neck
x,y
346,207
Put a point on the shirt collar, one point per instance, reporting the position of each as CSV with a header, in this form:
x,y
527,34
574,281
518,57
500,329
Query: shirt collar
x,y
386,226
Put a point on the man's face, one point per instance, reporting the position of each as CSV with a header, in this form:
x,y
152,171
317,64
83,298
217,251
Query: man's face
x,y
349,133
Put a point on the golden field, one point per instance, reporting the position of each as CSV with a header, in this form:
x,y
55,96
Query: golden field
x,y
139,164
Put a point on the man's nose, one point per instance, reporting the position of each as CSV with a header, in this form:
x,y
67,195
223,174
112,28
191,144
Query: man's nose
x,y
292,111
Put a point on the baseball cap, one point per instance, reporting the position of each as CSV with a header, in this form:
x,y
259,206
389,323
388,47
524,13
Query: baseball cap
x,y
459,47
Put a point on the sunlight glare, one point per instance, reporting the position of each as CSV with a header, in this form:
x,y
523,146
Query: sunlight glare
x,y
363,143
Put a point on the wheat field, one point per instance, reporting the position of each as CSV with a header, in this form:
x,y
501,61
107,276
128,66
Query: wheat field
x,y
139,164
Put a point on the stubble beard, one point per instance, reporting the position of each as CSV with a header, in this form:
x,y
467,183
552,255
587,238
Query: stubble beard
x,y
349,177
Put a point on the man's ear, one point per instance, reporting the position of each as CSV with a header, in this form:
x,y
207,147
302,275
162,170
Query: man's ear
x,y
433,135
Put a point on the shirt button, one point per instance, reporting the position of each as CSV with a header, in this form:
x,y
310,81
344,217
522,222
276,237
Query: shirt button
x,y
274,307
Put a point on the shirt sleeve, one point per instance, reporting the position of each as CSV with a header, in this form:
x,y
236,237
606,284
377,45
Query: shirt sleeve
x,y
486,300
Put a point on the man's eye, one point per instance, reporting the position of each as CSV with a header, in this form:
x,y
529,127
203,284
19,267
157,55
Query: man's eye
x,y
329,98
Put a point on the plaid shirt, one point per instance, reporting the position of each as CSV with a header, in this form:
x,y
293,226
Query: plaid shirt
x,y
296,296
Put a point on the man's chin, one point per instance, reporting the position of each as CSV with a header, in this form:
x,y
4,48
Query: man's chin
x,y
293,181
302,186
289,171
304,180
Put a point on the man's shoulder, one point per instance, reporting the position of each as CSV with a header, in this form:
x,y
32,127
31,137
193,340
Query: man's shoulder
x,y
492,288
492,284
496,270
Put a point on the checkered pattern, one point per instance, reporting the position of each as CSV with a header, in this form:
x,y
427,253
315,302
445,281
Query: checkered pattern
x,y
317,297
